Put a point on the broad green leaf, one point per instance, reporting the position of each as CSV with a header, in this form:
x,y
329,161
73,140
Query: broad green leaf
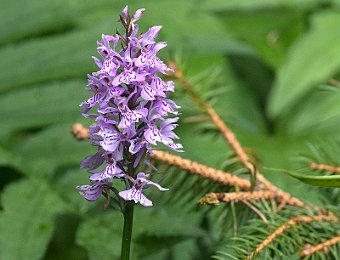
x,y
269,31
314,114
332,181
178,239
148,223
101,236
183,225
35,17
42,105
52,148
8,158
312,60
27,219
192,31
45,59
39,17
65,183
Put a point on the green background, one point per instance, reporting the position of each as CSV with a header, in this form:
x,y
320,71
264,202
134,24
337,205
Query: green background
x,y
264,65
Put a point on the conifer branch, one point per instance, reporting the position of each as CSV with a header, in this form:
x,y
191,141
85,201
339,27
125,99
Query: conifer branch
x,y
326,167
245,160
230,137
322,246
206,172
216,198
233,141
292,222
227,133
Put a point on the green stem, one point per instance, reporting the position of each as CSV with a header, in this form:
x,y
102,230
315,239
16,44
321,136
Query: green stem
x,y
127,231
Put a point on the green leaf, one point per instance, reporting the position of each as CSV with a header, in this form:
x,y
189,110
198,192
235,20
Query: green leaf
x,y
269,31
101,236
177,239
52,148
27,219
332,181
192,30
42,105
6,158
44,59
67,181
148,223
39,17
314,113
313,59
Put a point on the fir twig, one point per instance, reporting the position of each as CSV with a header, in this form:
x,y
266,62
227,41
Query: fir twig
x,y
214,117
292,222
322,246
233,141
325,167
245,160
202,170
215,198
230,137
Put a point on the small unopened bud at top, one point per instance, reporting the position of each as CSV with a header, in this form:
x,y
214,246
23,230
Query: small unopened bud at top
x,y
138,14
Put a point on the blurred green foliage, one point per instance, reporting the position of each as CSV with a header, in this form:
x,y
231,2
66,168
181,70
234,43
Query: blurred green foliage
x,y
264,65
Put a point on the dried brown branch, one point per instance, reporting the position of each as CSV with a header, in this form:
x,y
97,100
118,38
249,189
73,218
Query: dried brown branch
x,y
238,149
216,198
202,170
233,141
323,246
292,222
230,138
326,167
224,129
80,132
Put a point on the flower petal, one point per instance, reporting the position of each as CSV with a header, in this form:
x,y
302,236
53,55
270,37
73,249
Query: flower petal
x,y
148,93
93,191
92,162
153,135
136,196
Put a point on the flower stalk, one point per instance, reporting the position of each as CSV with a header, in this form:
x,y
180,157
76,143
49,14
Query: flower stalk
x,y
127,230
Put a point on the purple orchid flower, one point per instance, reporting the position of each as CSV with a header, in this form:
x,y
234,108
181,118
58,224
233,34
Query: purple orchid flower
x,y
135,193
94,190
111,171
131,109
